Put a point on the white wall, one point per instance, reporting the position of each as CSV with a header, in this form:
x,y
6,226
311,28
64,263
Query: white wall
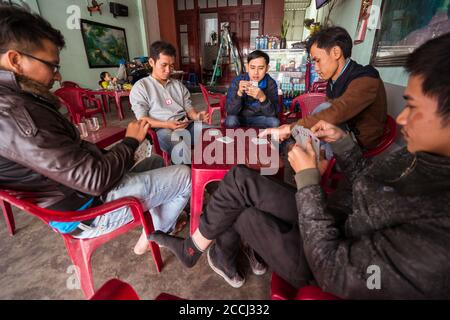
x,y
74,62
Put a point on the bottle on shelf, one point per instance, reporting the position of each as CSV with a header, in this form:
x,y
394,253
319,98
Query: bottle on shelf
x,y
257,47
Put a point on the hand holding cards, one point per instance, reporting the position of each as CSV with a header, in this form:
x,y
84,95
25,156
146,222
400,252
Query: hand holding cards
x,y
302,135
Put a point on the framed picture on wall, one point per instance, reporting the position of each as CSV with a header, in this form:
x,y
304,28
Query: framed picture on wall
x,y
105,45
403,29
29,5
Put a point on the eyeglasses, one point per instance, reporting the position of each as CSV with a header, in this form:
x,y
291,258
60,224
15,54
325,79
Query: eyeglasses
x,y
54,67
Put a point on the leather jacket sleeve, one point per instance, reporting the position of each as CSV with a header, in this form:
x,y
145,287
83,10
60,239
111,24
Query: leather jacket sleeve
x,y
40,138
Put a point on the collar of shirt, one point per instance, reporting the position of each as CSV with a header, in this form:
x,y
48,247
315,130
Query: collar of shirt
x,y
340,74
163,85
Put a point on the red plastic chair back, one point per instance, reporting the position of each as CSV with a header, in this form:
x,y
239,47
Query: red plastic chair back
x,y
81,250
115,290
390,133
282,290
307,102
69,84
319,87
220,106
75,99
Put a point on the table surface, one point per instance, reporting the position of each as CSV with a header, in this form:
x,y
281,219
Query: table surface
x,y
243,148
106,136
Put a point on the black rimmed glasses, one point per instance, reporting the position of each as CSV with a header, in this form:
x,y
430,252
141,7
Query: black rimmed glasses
x,y
54,67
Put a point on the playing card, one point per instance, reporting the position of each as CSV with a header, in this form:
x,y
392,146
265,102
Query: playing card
x,y
226,140
260,141
213,133
255,84
302,135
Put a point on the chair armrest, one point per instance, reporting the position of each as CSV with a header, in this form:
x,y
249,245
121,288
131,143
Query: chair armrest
x,y
74,216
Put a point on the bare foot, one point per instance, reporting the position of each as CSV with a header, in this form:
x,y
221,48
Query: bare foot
x,y
181,223
142,246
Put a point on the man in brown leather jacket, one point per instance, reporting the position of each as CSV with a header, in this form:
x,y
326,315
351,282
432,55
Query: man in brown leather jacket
x,y
42,156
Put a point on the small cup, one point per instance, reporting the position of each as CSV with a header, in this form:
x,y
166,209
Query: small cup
x,y
92,124
82,128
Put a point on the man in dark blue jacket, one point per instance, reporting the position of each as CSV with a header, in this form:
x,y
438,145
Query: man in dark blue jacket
x,y
253,97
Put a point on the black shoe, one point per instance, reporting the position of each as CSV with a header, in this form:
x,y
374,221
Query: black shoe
x,y
257,264
236,281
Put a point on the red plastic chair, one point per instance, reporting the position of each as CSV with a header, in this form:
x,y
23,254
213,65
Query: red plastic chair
x,y
200,178
319,87
75,98
81,250
331,177
158,149
282,290
69,84
307,103
220,106
115,290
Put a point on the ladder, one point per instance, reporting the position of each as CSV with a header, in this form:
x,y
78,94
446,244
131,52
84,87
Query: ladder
x,y
225,43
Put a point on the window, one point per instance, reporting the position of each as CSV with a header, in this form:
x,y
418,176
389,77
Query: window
x,y
184,43
212,3
202,4
189,4
181,5
254,32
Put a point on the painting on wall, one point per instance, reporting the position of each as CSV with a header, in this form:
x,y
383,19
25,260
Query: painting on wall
x,y
105,45
29,5
403,30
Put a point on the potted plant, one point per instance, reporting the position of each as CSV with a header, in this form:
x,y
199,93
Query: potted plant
x,y
284,30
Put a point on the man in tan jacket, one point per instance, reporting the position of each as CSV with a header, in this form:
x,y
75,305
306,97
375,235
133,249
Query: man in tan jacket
x,y
356,93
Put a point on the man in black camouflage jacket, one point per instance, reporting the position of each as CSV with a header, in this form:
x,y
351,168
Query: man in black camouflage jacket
x,y
385,234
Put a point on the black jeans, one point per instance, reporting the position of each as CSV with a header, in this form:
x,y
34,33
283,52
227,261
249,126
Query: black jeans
x,y
261,212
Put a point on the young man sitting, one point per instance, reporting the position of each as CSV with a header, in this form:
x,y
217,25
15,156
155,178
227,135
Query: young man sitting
x,y
385,237
165,103
253,97
355,93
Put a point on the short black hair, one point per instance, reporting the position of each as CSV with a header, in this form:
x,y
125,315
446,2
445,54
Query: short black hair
x,y
328,38
431,62
103,75
162,47
258,54
25,31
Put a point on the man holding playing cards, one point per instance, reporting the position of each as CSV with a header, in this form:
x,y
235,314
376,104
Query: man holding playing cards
x,y
166,104
252,99
356,97
383,235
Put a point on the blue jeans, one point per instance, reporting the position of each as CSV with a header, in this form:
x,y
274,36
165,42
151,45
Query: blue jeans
x,y
180,151
256,122
163,191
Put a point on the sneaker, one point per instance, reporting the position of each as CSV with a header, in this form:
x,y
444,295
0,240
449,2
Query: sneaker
x,y
235,281
257,264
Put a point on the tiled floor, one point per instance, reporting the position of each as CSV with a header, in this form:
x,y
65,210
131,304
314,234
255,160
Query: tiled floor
x,y
34,263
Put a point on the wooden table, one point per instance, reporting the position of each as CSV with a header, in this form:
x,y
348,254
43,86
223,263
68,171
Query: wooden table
x,y
116,94
213,159
106,136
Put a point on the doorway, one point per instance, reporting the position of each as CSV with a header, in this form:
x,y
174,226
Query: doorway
x,y
209,44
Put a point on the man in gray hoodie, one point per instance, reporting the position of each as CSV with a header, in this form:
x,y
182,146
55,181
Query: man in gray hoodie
x,y
384,234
